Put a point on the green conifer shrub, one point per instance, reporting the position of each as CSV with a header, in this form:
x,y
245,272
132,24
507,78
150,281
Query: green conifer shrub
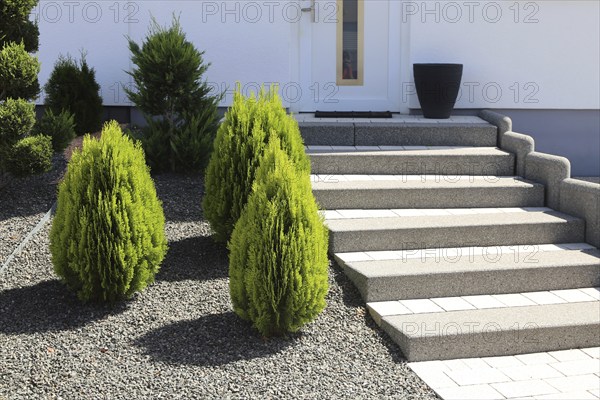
x,y
17,117
278,263
107,238
180,112
60,127
31,155
72,87
18,72
16,120
241,139
18,80
15,25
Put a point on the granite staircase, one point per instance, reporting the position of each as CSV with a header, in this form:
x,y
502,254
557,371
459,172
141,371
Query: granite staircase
x,y
454,255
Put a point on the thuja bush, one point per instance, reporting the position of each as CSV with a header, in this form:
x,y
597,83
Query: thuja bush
x,y
31,155
107,238
18,72
278,262
18,84
60,127
17,117
72,87
180,112
238,147
15,25
16,120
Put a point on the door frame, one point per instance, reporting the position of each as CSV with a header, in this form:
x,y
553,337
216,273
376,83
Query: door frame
x,y
399,71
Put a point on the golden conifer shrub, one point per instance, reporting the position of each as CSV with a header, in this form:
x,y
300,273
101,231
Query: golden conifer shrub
x,y
241,139
278,265
107,238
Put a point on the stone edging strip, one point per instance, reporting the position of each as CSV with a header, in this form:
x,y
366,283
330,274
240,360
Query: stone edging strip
x,y
27,238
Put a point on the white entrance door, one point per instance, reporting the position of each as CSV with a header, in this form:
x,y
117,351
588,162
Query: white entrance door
x,y
349,56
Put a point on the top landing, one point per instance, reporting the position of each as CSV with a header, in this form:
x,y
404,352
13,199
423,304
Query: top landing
x,y
309,118
400,130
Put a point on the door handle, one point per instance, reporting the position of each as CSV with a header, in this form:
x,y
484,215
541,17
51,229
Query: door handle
x,y
310,9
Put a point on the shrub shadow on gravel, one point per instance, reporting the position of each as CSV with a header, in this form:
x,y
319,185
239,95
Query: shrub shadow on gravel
x,y
181,196
31,195
350,294
196,258
352,298
48,306
212,340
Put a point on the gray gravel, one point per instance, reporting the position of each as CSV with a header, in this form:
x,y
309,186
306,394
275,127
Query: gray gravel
x,y
23,202
179,338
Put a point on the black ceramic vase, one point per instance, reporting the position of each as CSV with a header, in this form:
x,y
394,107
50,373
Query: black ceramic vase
x,y
437,87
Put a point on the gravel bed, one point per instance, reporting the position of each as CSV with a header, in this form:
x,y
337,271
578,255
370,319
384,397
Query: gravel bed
x,y
23,202
179,339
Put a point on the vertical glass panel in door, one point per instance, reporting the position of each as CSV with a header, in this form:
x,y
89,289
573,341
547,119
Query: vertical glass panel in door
x,y
349,42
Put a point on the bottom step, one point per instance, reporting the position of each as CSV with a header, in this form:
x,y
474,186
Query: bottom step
x,y
495,331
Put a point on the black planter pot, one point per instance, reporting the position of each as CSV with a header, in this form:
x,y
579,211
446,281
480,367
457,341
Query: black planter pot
x,y
437,88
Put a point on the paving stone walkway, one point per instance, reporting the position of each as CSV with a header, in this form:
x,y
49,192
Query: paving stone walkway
x,y
567,374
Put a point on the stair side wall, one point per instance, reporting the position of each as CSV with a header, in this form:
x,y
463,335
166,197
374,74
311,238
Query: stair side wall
x,y
571,196
550,170
517,143
582,199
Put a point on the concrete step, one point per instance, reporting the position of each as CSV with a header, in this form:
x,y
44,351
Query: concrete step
x,y
421,232
381,309
426,134
427,191
403,130
471,271
420,212
436,334
410,160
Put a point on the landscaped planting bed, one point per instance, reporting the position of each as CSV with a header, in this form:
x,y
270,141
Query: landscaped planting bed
x,y
179,338
23,202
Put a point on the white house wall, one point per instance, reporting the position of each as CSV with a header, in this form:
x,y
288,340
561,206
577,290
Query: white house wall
x,y
244,41
70,27
517,55
525,54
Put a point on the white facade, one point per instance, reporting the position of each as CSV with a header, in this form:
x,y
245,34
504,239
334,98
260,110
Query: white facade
x,y
536,61
516,54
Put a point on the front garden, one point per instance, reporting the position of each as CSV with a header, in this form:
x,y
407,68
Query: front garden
x,y
180,338
208,278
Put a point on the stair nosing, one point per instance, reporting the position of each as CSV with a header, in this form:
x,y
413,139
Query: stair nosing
x,y
473,315
448,221
472,252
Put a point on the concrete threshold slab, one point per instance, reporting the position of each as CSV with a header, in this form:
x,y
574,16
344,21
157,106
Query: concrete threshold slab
x,y
396,119
401,130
